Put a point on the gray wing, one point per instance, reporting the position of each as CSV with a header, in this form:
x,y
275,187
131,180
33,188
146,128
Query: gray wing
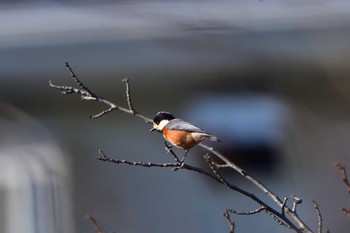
x,y
178,124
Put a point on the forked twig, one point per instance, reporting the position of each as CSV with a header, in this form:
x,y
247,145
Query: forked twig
x,y
87,94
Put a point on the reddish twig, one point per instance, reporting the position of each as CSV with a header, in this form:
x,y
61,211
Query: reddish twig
x,y
231,223
94,224
345,211
342,169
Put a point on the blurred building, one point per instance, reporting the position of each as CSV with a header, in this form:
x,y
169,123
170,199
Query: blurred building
x,y
35,177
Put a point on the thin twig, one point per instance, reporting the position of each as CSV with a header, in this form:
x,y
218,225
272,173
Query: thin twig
x,y
94,224
169,150
258,210
103,157
230,222
175,166
319,216
342,169
79,83
296,202
128,96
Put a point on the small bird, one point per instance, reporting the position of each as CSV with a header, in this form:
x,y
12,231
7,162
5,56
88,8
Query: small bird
x,y
180,133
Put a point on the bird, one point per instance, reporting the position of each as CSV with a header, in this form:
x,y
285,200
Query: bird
x,y
180,133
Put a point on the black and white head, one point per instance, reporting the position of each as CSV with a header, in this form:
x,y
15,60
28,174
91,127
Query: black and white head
x,y
160,120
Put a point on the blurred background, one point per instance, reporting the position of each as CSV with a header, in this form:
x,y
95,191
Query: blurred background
x,y
270,78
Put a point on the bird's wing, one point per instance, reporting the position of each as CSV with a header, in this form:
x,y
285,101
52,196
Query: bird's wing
x,y
178,124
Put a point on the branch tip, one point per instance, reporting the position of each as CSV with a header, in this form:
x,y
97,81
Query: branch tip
x,y
94,223
128,96
345,211
296,202
229,221
101,155
342,169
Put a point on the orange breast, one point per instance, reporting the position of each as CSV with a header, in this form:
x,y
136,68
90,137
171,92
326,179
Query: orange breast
x,y
181,139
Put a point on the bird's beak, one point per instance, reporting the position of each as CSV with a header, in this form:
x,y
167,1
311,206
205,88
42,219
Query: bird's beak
x,y
151,130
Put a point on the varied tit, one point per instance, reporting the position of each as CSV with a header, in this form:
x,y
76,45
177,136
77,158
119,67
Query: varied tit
x,y
180,133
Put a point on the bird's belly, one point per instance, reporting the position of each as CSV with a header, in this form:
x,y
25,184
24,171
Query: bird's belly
x,y
181,139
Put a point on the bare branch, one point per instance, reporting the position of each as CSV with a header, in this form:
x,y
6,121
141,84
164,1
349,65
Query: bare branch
x,y
79,83
319,216
103,157
70,90
87,94
230,222
93,222
262,187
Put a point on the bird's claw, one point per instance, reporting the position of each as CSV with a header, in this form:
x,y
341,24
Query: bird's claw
x,y
179,166
168,147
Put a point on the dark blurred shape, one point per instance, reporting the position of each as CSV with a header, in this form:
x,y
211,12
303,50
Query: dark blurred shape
x,y
34,177
251,126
